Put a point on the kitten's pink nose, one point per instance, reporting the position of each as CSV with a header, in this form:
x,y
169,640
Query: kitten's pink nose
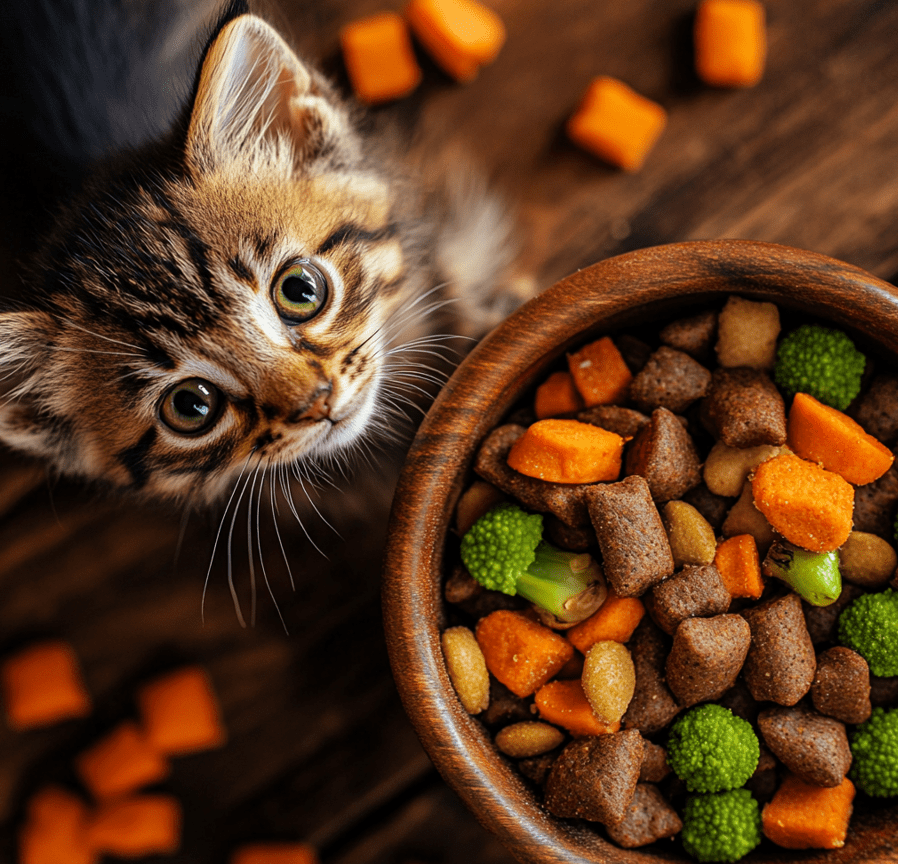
x,y
319,408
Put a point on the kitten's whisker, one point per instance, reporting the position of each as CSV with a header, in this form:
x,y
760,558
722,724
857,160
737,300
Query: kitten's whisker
x,y
318,512
94,351
235,599
249,544
275,514
265,579
285,485
104,338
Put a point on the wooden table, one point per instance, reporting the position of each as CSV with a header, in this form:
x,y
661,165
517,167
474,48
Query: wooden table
x,y
319,748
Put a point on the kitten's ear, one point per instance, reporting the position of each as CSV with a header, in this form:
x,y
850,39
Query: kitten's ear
x,y
257,103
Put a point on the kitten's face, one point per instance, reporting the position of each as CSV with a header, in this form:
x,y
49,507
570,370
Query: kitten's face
x,y
195,323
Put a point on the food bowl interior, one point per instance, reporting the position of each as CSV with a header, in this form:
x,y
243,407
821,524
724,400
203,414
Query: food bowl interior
x,y
645,288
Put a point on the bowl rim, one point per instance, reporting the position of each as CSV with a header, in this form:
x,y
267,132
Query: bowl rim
x,y
477,394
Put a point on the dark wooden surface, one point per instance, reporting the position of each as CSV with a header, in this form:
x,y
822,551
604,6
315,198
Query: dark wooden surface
x,y
319,748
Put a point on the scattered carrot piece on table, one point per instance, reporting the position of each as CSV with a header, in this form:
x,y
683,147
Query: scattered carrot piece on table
x,y
460,35
122,762
520,653
614,620
136,826
42,685
55,829
600,374
730,41
805,816
616,123
822,434
180,713
379,58
557,395
739,564
567,451
564,703
275,853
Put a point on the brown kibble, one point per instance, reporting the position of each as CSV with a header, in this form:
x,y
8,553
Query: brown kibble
x,y
467,668
821,621
813,747
609,680
654,764
706,657
664,454
841,687
781,663
631,536
527,739
653,705
744,409
595,778
648,818
877,409
670,379
537,768
693,335
504,706
696,591
712,507
690,535
622,421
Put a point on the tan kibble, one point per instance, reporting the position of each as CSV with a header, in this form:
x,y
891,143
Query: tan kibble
x,y
527,739
867,560
727,468
747,333
609,680
690,536
745,518
479,497
467,668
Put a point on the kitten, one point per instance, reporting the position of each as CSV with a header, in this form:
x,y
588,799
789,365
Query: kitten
x,y
258,289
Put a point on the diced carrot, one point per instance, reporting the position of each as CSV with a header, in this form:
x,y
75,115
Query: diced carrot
x,y
180,713
460,35
121,762
520,653
43,685
567,451
822,434
136,826
739,565
557,395
565,704
804,816
810,506
614,620
730,42
616,123
55,830
479,497
379,58
275,853
600,374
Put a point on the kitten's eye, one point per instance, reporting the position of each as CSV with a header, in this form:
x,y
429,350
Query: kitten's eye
x,y
300,292
190,407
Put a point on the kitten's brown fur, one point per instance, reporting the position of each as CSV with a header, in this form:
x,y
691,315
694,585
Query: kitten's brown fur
x,y
165,269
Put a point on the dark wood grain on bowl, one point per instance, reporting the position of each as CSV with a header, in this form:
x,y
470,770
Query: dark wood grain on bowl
x,y
648,284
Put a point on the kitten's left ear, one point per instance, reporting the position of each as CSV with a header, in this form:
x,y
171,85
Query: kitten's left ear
x,y
258,104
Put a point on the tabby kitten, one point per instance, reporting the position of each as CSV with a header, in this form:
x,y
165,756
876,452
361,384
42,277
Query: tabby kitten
x,y
247,293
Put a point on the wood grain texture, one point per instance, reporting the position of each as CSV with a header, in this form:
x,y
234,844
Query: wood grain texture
x,y
320,748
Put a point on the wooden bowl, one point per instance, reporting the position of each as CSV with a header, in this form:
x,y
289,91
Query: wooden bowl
x,y
648,285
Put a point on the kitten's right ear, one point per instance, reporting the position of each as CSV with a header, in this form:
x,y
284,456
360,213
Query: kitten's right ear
x,y
257,104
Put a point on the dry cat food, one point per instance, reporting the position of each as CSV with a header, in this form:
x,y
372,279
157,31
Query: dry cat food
x,y
674,604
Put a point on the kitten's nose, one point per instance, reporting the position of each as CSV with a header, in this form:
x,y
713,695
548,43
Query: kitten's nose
x,y
319,407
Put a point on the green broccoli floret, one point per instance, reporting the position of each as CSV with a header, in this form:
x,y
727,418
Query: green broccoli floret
x,y
722,826
711,749
874,752
869,625
504,551
820,361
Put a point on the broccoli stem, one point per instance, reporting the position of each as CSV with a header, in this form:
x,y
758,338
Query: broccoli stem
x,y
814,576
569,585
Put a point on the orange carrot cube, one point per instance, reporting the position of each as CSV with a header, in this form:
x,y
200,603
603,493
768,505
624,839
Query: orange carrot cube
x,y
460,35
275,853
136,826
615,620
739,565
599,372
557,395
121,762
43,685
565,704
617,124
824,435
55,830
567,451
520,653
379,57
810,506
730,42
180,712
804,816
